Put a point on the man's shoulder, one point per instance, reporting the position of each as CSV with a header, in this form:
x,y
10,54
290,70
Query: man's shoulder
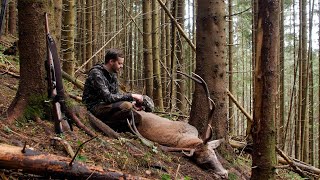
x,y
96,69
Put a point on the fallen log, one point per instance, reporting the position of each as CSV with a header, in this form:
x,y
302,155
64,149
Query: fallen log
x,y
73,80
53,166
303,166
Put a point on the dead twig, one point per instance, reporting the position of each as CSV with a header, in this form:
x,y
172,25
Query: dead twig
x,y
79,148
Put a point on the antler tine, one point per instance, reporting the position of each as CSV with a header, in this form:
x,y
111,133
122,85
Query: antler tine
x,y
199,80
205,86
193,78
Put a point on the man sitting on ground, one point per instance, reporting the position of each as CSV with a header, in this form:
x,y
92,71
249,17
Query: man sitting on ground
x,y
102,97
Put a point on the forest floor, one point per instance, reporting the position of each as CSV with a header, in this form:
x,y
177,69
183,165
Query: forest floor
x,y
126,154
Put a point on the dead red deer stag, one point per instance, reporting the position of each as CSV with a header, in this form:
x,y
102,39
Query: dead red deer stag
x,y
181,136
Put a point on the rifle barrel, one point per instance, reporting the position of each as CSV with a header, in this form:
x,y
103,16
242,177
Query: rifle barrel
x,y
47,23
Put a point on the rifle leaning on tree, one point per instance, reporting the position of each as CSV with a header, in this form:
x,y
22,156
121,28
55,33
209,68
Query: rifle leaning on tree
x,y
55,84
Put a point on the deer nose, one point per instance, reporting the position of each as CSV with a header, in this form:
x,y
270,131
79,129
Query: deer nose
x,y
223,174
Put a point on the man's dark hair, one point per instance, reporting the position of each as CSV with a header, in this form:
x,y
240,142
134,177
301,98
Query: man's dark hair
x,y
112,54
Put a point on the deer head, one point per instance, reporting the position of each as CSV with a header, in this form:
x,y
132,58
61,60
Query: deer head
x,y
205,156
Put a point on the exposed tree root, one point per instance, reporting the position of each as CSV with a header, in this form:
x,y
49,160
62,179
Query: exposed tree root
x,y
15,110
97,123
79,124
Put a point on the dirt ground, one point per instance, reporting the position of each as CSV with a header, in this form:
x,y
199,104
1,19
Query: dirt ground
x,y
127,154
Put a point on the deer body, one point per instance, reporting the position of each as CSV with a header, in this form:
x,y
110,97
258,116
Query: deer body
x,y
167,132
181,135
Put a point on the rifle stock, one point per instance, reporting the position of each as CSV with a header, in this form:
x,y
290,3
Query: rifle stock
x,y
55,84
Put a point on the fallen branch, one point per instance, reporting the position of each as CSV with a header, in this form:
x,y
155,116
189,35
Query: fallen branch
x,y
77,98
10,73
303,166
53,166
239,106
10,67
290,162
73,80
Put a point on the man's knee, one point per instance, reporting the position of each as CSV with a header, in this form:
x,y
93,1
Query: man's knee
x,y
125,105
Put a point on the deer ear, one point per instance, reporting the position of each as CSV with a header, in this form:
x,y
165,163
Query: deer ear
x,y
215,143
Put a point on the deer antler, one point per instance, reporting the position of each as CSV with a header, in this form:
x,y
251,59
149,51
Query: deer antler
x,y
201,81
212,105
133,128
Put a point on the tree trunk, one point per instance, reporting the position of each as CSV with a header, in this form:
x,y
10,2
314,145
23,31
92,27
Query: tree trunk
x,y
173,62
319,88
211,66
231,113
168,53
68,36
304,81
88,38
157,85
94,30
263,130
12,17
147,46
281,139
310,130
32,49
57,14
163,56
181,85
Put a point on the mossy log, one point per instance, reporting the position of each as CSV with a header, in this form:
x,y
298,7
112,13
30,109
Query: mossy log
x,y
49,165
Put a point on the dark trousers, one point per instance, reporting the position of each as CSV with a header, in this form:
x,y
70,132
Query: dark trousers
x,y
115,115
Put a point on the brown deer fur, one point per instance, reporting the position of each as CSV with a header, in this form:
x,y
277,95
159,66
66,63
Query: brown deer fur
x,y
181,135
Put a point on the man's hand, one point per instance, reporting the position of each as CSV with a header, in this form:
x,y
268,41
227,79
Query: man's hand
x,y
138,97
136,106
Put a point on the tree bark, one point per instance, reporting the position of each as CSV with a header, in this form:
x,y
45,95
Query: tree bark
x,y
88,38
12,17
181,85
157,85
211,66
53,166
263,129
231,112
32,50
68,36
147,46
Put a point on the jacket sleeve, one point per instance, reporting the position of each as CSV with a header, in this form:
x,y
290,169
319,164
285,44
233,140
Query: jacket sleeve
x,y
103,90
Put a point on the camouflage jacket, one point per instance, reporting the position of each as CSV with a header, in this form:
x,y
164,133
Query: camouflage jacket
x,y
101,86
